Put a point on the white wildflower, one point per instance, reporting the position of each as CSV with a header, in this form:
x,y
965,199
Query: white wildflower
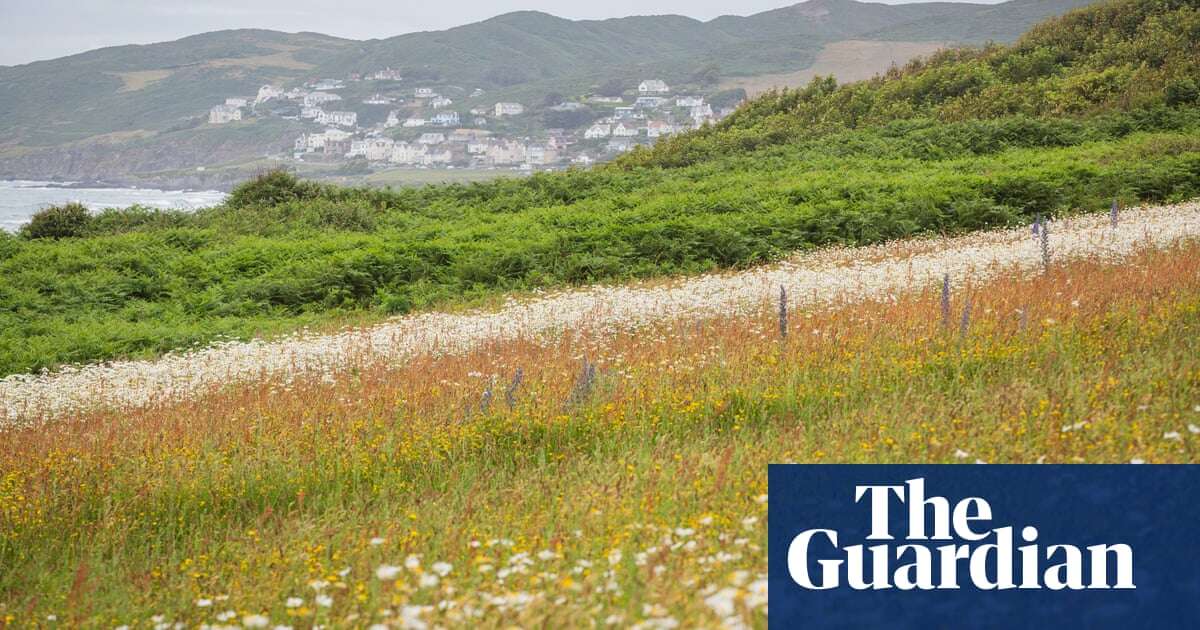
x,y
387,572
722,602
255,621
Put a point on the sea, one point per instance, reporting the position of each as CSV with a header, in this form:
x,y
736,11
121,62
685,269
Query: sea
x,y
20,199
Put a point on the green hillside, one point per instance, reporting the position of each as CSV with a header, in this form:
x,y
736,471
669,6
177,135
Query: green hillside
x,y
1112,56
153,87
152,91
915,152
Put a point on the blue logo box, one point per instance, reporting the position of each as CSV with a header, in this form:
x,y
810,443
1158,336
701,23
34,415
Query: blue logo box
x,y
984,546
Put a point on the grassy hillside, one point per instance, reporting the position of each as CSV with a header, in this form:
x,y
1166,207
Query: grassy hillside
x,y
1112,56
153,87
47,106
774,180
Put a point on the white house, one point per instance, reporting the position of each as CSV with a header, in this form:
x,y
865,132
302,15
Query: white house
x,y
431,138
598,130
314,141
424,92
405,153
539,155
440,102
341,119
414,122
623,130
445,119
313,99
651,102
379,149
653,86
508,152
689,101
387,74
311,112
509,109
266,93
235,102
702,113
221,114
358,148
478,147
378,99
393,120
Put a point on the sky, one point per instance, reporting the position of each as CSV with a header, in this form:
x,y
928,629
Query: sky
x,y
44,29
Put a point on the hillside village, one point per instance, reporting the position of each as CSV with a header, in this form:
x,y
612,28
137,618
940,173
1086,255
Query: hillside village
x,y
398,125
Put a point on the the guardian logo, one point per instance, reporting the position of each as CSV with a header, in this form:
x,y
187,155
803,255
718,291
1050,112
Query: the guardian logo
x,y
946,546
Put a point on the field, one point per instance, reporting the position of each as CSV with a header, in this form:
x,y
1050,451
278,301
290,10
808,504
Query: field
x,y
435,491
551,401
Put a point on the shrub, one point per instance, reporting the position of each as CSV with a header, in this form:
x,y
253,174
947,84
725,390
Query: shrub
x,y
9,245
272,188
63,221
1182,92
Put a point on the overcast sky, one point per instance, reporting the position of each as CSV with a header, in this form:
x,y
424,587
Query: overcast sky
x,y
44,29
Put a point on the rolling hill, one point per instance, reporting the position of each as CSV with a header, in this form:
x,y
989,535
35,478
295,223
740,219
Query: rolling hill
x,y
132,110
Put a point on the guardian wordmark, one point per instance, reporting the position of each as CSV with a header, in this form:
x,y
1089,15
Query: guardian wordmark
x,y
944,545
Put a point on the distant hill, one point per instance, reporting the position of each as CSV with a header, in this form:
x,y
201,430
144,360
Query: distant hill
x,y
1114,56
121,110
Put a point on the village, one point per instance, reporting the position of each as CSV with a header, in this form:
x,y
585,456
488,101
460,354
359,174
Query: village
x,y
420,127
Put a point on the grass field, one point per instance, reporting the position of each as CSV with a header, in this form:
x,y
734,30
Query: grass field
x,y
404,494
590,446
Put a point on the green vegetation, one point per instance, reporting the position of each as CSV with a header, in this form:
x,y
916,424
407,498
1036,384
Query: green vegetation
x,y
1112,56
785,174
58,222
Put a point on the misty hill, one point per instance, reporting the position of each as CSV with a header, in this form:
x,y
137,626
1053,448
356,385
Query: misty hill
x,y
115,110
